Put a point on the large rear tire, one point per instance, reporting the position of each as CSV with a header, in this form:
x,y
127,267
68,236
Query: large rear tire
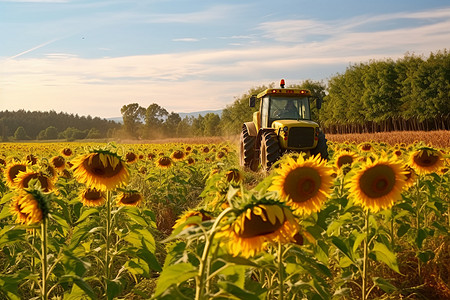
x,y
322,147
270,150
247,149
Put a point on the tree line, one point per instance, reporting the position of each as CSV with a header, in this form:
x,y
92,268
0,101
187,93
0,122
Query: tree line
x,y
411,93
37,125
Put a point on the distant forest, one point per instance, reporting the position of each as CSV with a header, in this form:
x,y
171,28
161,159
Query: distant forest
x,y
411,93
36,125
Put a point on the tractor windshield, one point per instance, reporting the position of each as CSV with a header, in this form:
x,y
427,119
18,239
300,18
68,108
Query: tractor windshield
x,y
288,108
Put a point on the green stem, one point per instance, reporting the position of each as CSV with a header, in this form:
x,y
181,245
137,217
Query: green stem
x,y
366,257
392,230
280,270
108,238
200,278
44,294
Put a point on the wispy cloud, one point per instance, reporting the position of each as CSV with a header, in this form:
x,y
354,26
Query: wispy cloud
x,y
186,40
33,49
307,30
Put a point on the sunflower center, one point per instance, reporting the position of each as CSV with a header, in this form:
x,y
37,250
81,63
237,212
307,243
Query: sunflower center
x,y
41,178
92,194
377,181
344,159
426,160
302,184
256,226
58,161
130,157
178,154
14,171
96,167
164,161
130,198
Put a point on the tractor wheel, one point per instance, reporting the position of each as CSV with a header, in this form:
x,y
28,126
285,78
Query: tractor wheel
x,y
322,147
270,150
247,149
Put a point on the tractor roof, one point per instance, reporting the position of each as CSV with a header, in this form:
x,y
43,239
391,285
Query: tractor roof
x,y
286,93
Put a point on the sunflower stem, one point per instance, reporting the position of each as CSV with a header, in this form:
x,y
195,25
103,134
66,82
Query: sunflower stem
x,y
108,239
200,278
392,230
280,270
366,257
44,262
33,258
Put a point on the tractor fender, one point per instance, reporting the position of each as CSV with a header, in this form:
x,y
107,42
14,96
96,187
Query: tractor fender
x,y
251,128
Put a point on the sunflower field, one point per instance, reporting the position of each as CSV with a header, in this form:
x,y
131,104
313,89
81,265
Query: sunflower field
x,y
183,221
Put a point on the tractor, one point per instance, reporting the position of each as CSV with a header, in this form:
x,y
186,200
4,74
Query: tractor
x,y
282,124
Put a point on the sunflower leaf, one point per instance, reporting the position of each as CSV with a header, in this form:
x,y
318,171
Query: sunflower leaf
x,y
385,255
174,274
340,244
236,291
384,284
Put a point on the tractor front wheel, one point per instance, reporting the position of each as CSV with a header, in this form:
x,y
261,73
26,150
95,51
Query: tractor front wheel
x,y
247,149
270,150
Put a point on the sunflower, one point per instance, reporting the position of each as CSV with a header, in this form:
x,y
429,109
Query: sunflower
x,y
29,207
190,161
426,160
12,170
256,226
24,179
177,155
131,158
59,162
129,198
66,152
345,158
365,147
205,216
378,184
220,154
410,177
92,197
102,170
205,149
303,184
233,176
164,162
31,159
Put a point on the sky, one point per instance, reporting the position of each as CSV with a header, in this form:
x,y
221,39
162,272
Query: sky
x,y
92,57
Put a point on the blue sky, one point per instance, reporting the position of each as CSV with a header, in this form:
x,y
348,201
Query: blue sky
x,y
93,57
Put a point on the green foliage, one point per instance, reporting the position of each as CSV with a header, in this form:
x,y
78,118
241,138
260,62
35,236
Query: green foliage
x,y
42,125
400,95
21,134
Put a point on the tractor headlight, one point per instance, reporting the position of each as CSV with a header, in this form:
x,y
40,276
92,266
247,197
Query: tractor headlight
x,y
285,128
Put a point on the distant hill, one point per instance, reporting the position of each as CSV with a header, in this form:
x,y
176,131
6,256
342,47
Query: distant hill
x,y
182,115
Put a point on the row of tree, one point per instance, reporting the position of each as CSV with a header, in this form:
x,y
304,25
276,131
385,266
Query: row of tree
x,y
31,125
412,93
156,122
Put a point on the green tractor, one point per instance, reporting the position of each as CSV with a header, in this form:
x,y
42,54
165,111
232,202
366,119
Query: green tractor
x,y
282,124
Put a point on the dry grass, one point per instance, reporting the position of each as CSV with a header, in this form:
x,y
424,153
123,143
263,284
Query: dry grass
x,y
439,138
